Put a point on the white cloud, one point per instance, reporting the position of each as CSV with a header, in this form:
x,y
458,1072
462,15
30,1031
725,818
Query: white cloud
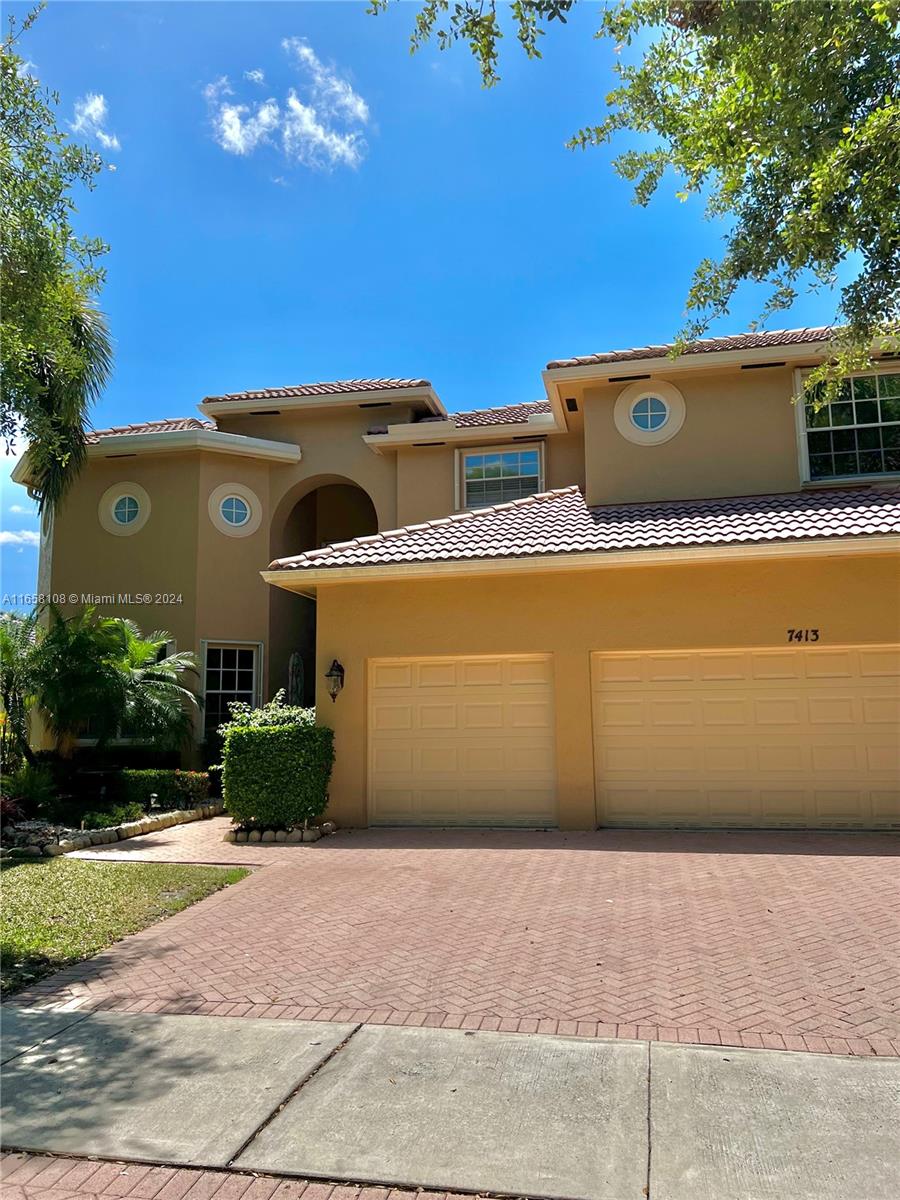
x,y
20,510
312,143
320,130
331,93
26,67
19,537
90,118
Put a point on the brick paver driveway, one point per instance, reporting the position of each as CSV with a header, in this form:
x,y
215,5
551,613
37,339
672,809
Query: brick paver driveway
x,y
761,939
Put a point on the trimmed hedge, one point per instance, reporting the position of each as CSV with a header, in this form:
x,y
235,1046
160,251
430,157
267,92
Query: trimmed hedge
x,y
115,814
173,789
277,776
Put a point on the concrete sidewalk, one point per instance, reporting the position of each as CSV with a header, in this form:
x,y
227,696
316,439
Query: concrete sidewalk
x,y
507,1114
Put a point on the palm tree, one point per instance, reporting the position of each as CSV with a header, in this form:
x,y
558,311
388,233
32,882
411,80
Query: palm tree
x,y
18,657
65,392
158,706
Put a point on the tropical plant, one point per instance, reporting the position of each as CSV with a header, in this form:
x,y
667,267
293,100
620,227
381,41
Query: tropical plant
x,y
18,656
55,354
158,706
273,712
782,116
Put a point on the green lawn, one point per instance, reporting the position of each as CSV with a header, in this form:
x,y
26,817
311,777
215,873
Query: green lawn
x,y
56,911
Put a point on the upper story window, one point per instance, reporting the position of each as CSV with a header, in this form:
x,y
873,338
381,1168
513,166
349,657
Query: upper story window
x,y
126,510
649,413
235,510
859,433
495,476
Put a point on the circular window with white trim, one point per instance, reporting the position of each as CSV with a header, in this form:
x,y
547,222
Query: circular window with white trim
x,y
235,510
649,414
124,509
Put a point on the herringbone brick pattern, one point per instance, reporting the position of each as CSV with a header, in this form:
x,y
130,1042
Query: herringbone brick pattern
x,y
45,1177
757,939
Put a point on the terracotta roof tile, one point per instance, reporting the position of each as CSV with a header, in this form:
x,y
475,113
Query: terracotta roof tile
x,y
507,414
337,387
740,341
167,425
560,522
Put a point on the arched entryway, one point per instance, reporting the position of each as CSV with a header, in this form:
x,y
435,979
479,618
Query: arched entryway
x,y
315,513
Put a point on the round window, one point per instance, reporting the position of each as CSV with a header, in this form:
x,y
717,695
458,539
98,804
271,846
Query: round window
x,y
235,510
649,413
126,510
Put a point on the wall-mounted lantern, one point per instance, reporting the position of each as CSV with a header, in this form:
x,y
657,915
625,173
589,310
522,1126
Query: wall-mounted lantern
x,y
335,677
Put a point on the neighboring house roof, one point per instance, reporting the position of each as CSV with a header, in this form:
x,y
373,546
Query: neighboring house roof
x,y
559,522
337,387
740,341
167,425
507,414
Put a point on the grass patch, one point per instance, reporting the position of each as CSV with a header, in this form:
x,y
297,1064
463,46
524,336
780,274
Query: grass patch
x,y
57,911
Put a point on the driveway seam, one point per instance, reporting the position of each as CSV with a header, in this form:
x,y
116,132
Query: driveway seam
x,y
304,1080
647,1192
76,1017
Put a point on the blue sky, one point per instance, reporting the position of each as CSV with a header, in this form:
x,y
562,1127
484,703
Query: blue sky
x,y
339,208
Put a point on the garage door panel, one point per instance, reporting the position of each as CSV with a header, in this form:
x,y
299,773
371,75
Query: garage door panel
x,y
475,743
805,737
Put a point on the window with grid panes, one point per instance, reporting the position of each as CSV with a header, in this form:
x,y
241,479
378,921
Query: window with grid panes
x,y
230,675
493,477
858,434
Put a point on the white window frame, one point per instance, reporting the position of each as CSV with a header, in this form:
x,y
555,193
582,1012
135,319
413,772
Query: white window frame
x,y
462,453
800,374
206,644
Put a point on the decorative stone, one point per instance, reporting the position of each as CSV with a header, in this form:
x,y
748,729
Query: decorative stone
x,y
66,845
25,852
53,849
95,837
295,835
281,835
269,835
230,835
327,827
254,836
241,837
110,836
311,835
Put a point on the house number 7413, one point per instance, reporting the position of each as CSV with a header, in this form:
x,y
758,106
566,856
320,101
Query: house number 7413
x,y
803,635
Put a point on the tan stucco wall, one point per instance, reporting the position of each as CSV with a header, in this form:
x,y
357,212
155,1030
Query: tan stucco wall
x,y
738,438
569,615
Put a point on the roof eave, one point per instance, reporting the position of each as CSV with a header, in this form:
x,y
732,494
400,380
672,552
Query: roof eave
x,y
213,440
215,406
307,580
436,432
610,371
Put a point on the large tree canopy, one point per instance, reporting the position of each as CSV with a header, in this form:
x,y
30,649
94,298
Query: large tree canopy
x,y
55,356
782,115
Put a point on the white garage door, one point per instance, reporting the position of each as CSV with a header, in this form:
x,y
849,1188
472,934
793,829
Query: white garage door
x,y
462,741
805,737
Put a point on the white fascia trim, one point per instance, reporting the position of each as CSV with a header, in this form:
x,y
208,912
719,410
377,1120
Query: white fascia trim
x,y
429,432
306,580
213,408
805,351
213,440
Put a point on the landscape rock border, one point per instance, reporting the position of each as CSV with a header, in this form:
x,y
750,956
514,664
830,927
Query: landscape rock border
x,y
291,836
117,833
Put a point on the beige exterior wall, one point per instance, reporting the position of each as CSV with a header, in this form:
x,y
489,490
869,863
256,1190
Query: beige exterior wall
x,y
738,438
569,615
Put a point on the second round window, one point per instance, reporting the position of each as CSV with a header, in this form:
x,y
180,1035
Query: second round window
x,y
649,413
235,511
126,510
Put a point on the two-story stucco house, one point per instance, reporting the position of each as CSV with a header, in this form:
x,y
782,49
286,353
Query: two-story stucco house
x,y
663,595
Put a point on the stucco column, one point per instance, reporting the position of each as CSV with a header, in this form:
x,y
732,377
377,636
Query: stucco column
x,y
574,740
347,717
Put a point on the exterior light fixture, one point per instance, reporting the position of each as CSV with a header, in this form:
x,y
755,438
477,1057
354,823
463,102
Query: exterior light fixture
x,y
335,677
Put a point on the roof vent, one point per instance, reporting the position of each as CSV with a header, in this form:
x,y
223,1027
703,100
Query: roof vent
x,y
571,404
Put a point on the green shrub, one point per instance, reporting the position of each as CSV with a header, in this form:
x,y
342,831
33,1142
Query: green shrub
x,y
277,776
173,789
275,712
114,814
33,788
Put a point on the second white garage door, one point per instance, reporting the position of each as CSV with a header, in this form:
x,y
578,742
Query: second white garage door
x,y
462,741
794,737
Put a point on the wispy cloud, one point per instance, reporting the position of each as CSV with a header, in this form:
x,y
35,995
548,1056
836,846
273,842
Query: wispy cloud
x,y
20,510
319,127
19,537
27,67
90,119
331,93
237,129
